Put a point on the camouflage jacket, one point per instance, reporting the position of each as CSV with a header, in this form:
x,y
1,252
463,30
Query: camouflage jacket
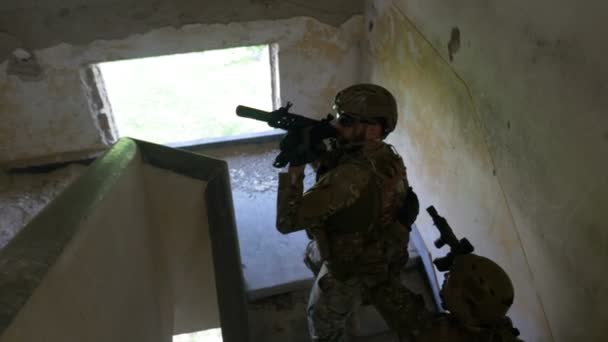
x,y
445,328
351,210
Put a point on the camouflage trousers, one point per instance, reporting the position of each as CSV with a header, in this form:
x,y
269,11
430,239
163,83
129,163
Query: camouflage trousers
x,y
332,301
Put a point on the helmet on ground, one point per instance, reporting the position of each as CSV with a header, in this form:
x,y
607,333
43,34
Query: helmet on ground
x,y
477,291
368,102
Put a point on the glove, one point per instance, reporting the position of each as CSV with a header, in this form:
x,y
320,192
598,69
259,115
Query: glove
x,y
296,149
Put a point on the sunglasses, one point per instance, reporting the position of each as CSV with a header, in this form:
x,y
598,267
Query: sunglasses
x,y
347,120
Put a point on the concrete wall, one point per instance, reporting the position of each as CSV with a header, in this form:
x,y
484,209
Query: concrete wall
x,y
24,195
176,206
106,285
509,141
33,24
139,266
50,113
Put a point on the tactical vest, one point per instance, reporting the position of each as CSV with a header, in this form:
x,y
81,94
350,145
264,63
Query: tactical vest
x,y
356,235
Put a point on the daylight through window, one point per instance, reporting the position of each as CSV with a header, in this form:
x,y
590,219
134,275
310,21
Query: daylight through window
x,y
188,97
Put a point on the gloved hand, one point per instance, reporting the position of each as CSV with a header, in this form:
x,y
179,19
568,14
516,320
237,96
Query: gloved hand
x,y
296,149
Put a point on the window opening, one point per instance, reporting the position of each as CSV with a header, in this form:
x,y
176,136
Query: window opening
x,y
192,96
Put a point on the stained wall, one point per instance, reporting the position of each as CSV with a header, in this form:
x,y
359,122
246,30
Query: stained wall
x,y
51,112
504,130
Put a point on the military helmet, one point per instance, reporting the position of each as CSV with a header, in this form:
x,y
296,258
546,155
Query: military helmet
x,y
368,102
477,291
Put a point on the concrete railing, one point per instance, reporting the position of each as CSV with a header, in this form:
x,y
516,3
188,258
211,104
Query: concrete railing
x,y
143,246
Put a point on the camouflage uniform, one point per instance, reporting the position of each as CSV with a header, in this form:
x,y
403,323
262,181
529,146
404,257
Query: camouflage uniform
x,y
444,327
478,293
351,213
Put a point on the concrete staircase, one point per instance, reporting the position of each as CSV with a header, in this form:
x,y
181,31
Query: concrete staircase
x,y
282,317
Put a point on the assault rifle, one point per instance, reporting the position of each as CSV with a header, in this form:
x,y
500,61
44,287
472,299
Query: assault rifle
x,y
305,137
447,237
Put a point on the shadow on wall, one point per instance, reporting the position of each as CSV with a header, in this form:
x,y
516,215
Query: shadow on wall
x,y
445,149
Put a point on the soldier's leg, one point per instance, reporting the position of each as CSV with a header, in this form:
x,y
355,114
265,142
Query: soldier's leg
x,y
331,303
403,310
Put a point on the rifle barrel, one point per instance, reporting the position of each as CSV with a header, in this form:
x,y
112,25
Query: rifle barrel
x,y
253,113
432,211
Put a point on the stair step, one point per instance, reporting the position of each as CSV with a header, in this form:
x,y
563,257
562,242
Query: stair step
x,y
414,264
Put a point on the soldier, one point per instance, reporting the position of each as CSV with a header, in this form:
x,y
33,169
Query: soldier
x,y
477,294
352,214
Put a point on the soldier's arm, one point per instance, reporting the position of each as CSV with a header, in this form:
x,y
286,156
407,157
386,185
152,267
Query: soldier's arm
x,y
337,189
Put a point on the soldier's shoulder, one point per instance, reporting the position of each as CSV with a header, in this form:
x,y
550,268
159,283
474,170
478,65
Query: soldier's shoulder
x,y
351,171
347,174
380,149
385,159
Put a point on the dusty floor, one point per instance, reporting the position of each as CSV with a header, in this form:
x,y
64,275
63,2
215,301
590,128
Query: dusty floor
x,y
272,262
281,318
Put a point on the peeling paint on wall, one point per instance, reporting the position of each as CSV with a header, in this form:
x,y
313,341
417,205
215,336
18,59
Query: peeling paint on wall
x,y
99,104
25,66
42,24
58,115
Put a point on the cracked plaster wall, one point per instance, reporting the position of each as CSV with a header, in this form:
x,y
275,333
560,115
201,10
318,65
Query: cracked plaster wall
x,y
509,141
22,196
51,119
34,24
